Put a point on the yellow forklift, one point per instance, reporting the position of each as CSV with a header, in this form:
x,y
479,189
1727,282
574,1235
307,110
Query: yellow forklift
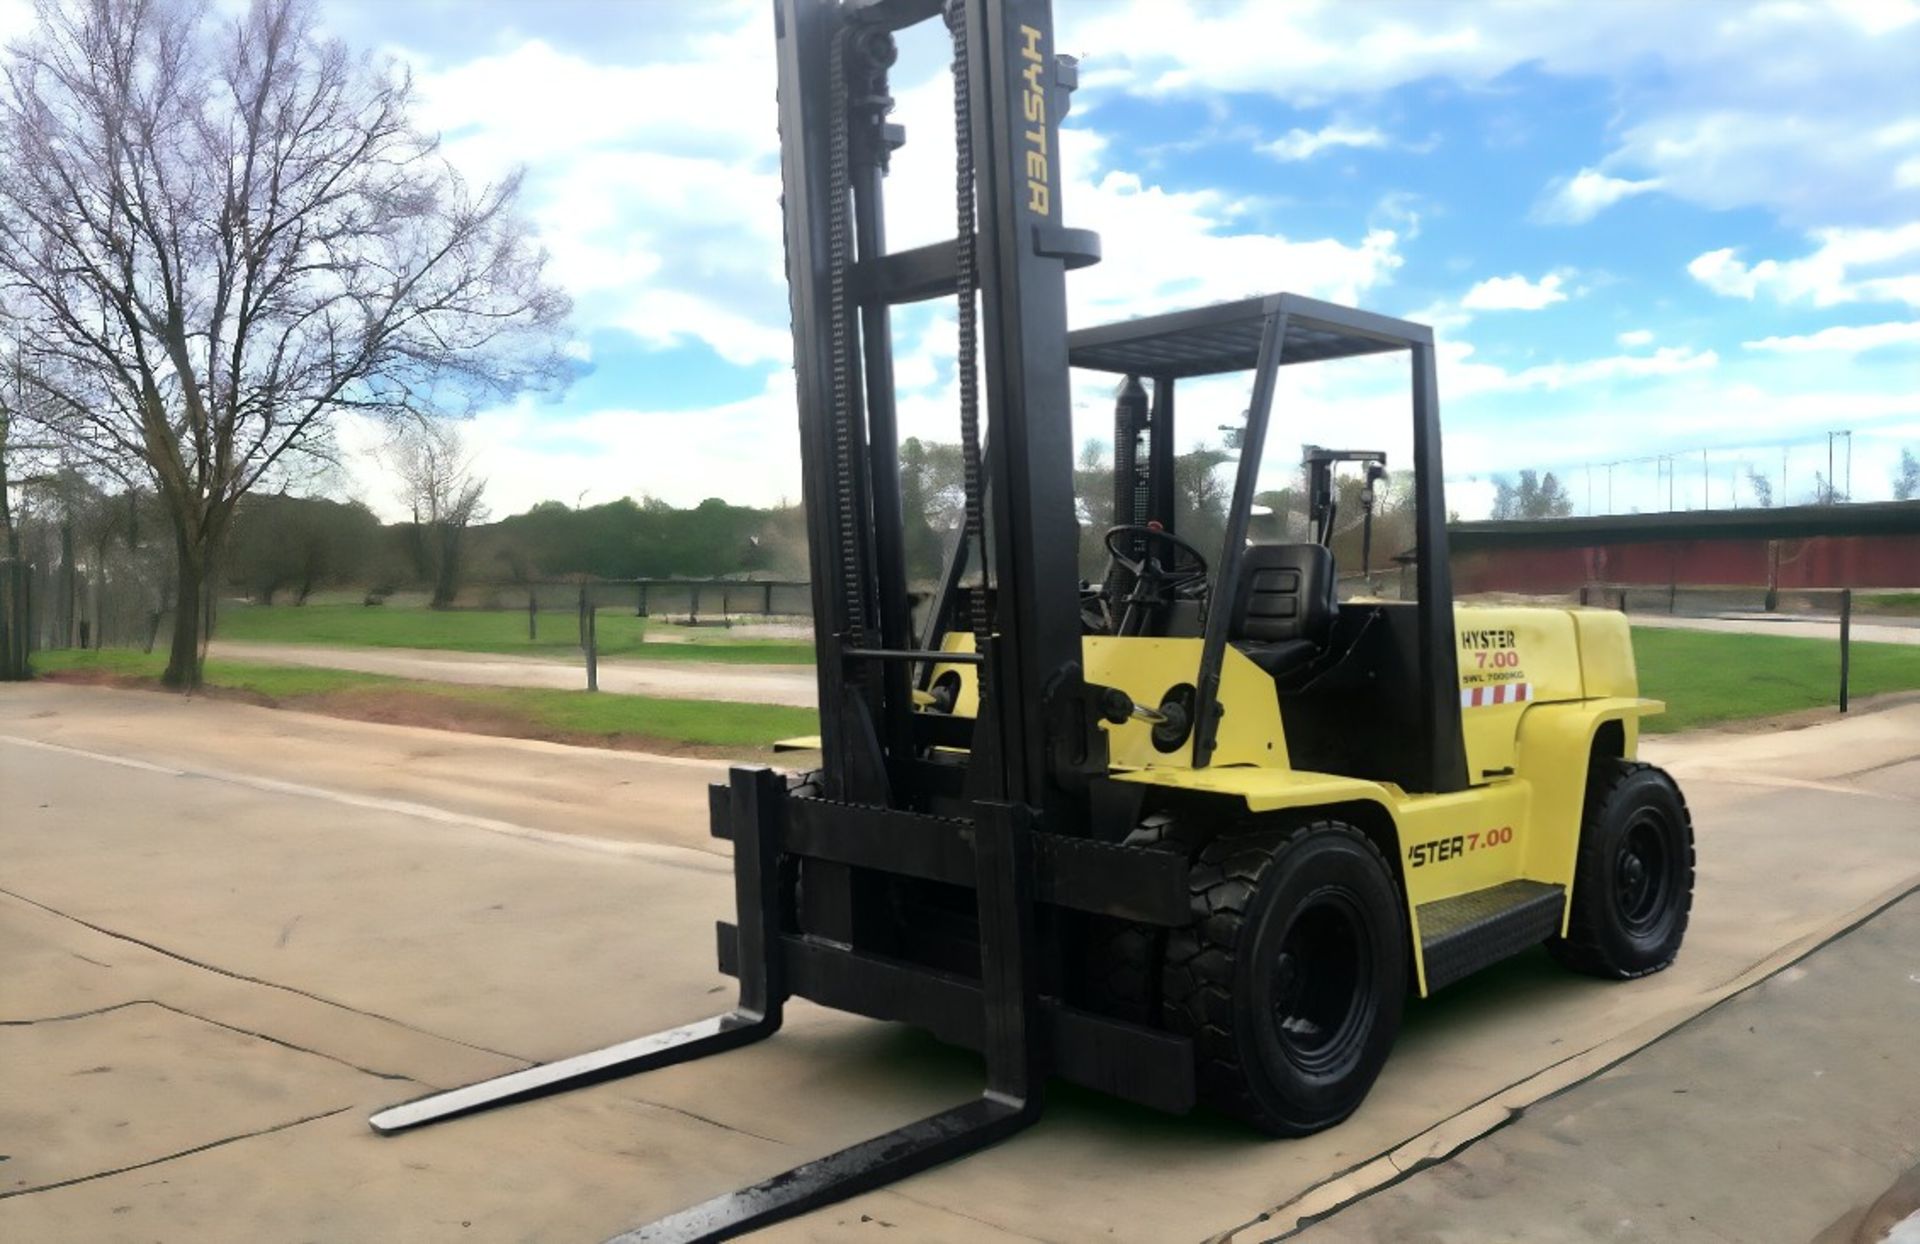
x,y
1188,834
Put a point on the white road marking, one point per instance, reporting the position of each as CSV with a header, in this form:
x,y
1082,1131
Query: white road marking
x,y
679,857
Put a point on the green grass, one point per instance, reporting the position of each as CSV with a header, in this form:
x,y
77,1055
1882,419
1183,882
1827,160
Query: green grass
x,y
1900,603
1707,677
706,723
618,633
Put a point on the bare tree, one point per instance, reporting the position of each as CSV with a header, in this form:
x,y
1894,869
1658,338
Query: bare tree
x,y
219,235
27,456
438,485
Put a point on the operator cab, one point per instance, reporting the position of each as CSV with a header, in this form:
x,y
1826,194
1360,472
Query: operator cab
x,y
1250,576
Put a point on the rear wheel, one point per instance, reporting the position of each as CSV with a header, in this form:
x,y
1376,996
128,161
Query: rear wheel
x,y
1291,979
1633,885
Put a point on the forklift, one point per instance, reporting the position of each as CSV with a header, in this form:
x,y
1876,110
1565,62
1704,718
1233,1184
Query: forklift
x,y
1190,834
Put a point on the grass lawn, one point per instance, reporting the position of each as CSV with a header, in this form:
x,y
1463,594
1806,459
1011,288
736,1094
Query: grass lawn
x,y
1707,677
1905,604
573,716
617,631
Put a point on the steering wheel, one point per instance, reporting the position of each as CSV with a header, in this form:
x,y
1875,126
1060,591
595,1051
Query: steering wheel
x,y
1156,583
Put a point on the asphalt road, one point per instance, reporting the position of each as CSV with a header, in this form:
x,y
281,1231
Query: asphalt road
x,y
227,934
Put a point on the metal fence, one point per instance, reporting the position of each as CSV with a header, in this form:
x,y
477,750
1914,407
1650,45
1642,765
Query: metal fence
x,y
1734,602
692,602
576,605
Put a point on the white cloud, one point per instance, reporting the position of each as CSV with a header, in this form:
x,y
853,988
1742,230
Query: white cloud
x,y
1515,293
668,227
1634,338
1842,339
661,220
1782,105
1462,375
1161,248
1578,199
16,18
1848,265
1299,144
1879,16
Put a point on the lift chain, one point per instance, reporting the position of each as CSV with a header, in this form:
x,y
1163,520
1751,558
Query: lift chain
x,y
966,283
840,339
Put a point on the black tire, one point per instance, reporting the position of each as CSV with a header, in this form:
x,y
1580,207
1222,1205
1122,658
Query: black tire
x,y
1123,959
1291,979
1633,883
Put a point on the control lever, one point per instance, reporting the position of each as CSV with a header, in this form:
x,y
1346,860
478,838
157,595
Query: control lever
x,y
1117,707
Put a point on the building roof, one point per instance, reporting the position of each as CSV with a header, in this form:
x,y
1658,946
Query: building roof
x,y
1795,522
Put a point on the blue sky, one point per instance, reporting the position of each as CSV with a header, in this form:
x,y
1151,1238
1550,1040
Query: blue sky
x,y
1639,229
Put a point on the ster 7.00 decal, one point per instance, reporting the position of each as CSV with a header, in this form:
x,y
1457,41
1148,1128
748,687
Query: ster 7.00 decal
x,y
1441,850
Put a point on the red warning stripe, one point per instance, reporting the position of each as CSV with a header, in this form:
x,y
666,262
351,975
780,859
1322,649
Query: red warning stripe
x,y
1499,693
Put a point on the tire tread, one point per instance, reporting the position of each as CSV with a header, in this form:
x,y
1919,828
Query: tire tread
x,y
1583,949
1197,981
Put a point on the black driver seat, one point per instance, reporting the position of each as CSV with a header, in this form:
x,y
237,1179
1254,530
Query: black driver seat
x,y
1284,610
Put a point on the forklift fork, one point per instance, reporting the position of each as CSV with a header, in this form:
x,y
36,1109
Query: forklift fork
x,y
1011,1101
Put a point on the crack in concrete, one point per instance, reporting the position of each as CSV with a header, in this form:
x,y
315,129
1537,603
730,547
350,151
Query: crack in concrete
x,y
280,1041
725,1127
57,1019
255,980
208,1019
212,1144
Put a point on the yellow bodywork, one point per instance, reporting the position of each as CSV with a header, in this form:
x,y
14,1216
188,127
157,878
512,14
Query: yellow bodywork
x,y
1536,686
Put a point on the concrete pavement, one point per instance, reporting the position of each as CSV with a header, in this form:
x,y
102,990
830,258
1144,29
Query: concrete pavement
x,y
227,934
1794,1104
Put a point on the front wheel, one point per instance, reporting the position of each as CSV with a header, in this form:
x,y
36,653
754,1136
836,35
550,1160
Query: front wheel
x,y
1633,884
1291,979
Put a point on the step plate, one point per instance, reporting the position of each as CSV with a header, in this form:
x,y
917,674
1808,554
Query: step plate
x,y
1461,935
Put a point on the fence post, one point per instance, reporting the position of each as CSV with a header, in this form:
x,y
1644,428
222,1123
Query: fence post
x,y
693,605
1846,641
766,599
13,620
639,599
593,647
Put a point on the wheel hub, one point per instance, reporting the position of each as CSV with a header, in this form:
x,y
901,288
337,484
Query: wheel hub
x,y
1318,983
1640,873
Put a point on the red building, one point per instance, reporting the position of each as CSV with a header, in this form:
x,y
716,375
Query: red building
x,y
1860,546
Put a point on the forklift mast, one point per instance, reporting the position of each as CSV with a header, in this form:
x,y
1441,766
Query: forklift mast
x,y
1036,741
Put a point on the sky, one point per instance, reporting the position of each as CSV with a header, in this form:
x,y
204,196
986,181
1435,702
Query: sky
x,y
1683,239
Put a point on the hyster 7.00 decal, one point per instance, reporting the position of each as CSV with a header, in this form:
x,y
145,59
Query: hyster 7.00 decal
x,y
1441,850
